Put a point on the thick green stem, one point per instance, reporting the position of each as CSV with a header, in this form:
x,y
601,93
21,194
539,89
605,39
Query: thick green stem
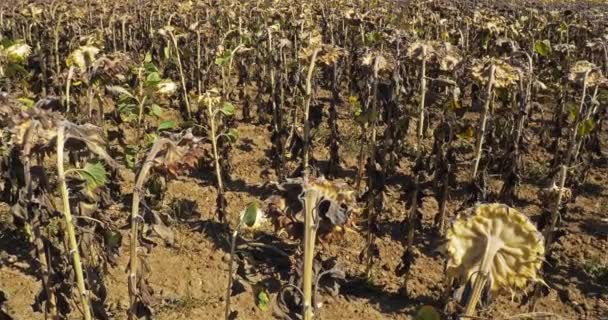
x,y
73,243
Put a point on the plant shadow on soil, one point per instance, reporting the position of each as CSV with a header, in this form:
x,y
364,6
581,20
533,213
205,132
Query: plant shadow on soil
x,y
13,244
596,227
387,302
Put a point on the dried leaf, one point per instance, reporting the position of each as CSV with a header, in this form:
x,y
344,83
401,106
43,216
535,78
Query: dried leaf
x,y
505,75
582,68
83,57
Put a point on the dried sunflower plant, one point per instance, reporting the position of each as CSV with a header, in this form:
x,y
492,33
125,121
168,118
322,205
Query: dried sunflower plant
x,y
493,248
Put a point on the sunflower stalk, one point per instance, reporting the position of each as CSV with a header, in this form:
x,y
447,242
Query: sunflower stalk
x,y
549,229
371,209
181,72
444,200
311,199
421,109
308,97
235,234
142,177
411,226
591,112
482,121
69,225
216,158
482,276
67,88
548,232
525,105
249,218
39,245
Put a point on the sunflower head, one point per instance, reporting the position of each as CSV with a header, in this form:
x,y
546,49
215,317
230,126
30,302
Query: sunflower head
x,y
504,238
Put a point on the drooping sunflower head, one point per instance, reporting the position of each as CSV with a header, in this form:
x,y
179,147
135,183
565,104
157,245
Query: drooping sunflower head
x,y
504,238
336,200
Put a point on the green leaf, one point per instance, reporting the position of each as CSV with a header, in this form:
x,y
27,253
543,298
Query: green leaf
x,y
372,38
586,127
13,69
263,300
365,116
6,42
150,67
602,96
165,125
150,139
223,59
127,108
156,110
233,135
427,313
94,174
153,79
543,47
228,109
467,134
454,104
563,27
572,112
353,101
503,94
27,102
128,117
130,157
148,57
112,238
251,214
